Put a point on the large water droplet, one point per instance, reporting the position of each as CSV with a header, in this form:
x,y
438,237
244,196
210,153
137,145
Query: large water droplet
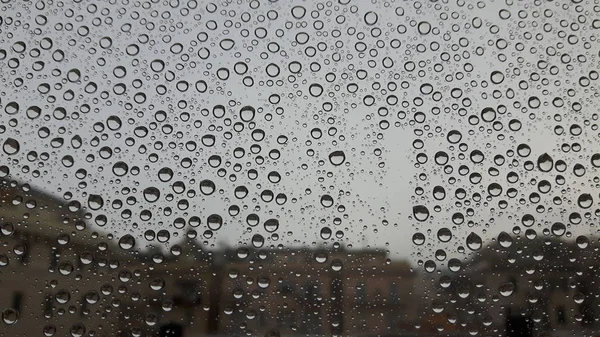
x,y
337,157
454,136
505,239
165,174
420,212
247,113
207,187
585,200
545,163
582,241
120,169
214,222
558,228
506,289
151,194
127,242
10,316
497,77
11,146
528,220
424,27
418,239
371,18
474,241
596,159
271,225
95,202
258,241
488,114
444,234
326,200
439,193
326,233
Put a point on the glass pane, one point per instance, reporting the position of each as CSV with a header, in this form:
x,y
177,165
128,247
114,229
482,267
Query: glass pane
x,y
299,168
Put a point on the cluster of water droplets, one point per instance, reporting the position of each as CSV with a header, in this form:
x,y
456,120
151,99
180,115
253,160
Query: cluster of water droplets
x,y
179,119
506,138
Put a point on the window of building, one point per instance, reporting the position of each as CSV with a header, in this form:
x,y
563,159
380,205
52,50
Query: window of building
x,y
17,301
561,315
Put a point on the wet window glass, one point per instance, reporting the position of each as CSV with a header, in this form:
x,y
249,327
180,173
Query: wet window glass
x,y
299,168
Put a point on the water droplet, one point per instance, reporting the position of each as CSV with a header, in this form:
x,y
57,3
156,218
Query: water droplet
x,y
474,241
497,77
488,114
271,225
77,330
337,265
528,220
418,239
11,108
585,200
454,136
444,234
11,146
120,169
545,163
151,194
421,212
326,233
165,174
439,193
10,316
207,187
227,44
214,222
327,200
298,12
582,241
337,158
127,242
258,241
247,113
95,202
315,90
558,228
596,159
506,289
33,112
494,189
505,239
424,27
371,18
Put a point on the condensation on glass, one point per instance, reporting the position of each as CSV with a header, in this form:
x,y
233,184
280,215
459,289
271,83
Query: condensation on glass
x,y
299,168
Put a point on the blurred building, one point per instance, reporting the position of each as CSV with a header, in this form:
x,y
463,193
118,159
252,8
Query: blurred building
x,y
317,292
59,276
55,273
525,288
